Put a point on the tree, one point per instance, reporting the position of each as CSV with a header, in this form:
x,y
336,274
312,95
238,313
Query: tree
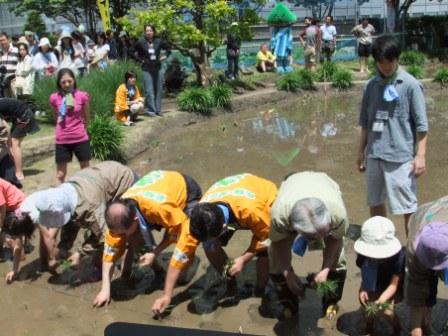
x,y
74,11
194,27
35,23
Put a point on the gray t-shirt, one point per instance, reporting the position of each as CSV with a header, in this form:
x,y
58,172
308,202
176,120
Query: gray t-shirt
x,y
392,126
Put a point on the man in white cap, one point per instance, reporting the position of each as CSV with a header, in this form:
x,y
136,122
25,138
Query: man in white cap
x,y
78,203
82,31
426,262
309,204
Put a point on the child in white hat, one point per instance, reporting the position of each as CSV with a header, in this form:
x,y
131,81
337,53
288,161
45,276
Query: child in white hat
x,y
381,259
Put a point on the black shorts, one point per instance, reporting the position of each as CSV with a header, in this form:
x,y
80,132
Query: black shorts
x,y
64,152
194,193
364,50
26,125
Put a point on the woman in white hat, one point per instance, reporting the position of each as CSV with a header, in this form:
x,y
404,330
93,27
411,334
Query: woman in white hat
x,y
25,73
381,259
67,53
45,61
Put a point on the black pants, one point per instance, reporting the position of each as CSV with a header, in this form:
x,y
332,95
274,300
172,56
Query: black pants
x,y
233,66
8,171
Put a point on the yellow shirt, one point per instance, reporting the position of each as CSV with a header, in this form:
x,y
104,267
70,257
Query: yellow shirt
x,y
262,57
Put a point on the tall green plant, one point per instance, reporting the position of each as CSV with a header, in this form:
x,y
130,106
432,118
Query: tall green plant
x,y
416,70
196,99
325,72
343,79
412,58
306,79
289,82
222,95
441,77
106,136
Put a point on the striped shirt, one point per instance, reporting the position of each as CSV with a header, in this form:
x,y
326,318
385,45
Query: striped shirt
x,y
9,59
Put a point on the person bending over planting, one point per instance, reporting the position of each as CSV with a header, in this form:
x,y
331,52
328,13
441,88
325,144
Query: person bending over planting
x,y
237,202
160,199
309,206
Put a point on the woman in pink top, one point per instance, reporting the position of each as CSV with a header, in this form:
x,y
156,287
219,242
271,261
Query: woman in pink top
x,y
71,112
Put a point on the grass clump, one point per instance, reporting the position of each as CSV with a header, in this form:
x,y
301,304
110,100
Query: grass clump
x,y
293,81
289,82
416,70
441,77
228,265
412,58
326,72
327,288
106,136
196,99
342,79
372,308
222,95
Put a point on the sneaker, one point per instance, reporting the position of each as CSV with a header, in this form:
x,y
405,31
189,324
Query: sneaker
x,y
150,114
159,114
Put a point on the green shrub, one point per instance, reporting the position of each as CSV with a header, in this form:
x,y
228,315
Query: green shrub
x,y
416,70
106,136
325,72
306,79
222,95
289,82
343,79
198,100
293,81
373,70
412,58
100,85
441,77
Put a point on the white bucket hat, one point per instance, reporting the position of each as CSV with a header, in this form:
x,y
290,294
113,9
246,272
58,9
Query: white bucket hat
x,y
44,41
55,207
378,239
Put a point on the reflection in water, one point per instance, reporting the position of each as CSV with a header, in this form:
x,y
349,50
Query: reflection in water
x,y
272,123
328,130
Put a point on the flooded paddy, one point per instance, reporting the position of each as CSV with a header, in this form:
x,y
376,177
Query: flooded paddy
x,y
303,133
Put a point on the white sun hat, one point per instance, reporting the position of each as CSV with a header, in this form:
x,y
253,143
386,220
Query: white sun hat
x,y
378,239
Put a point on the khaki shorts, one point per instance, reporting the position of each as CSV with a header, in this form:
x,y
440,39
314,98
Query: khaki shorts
x,y
310,55
394,181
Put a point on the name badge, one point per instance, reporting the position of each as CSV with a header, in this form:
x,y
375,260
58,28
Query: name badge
x,y
382,115
152,57
378,126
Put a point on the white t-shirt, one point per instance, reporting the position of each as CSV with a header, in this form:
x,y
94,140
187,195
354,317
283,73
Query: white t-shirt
x,y
364,34
101,51
328,32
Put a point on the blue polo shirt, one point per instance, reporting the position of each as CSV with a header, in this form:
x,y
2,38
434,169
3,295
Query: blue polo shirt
x,y
400,120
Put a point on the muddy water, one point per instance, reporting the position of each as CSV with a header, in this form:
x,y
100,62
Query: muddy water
x,y
308,133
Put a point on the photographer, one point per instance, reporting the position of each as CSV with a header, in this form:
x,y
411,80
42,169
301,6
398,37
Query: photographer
x,y
9,56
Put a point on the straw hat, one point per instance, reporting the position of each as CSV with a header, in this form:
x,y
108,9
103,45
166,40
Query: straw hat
x,y
22,40
378,239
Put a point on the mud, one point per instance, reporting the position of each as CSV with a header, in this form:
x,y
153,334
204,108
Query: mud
x,y
271,141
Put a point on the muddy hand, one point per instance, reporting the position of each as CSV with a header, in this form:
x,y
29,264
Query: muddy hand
x,y
147,259
10,277
103,298
161,304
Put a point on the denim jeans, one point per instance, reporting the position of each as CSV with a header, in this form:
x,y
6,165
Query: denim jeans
x,y
153,90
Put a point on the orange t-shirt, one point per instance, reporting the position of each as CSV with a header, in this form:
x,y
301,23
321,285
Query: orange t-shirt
x,y
162,198
10,195
250,198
